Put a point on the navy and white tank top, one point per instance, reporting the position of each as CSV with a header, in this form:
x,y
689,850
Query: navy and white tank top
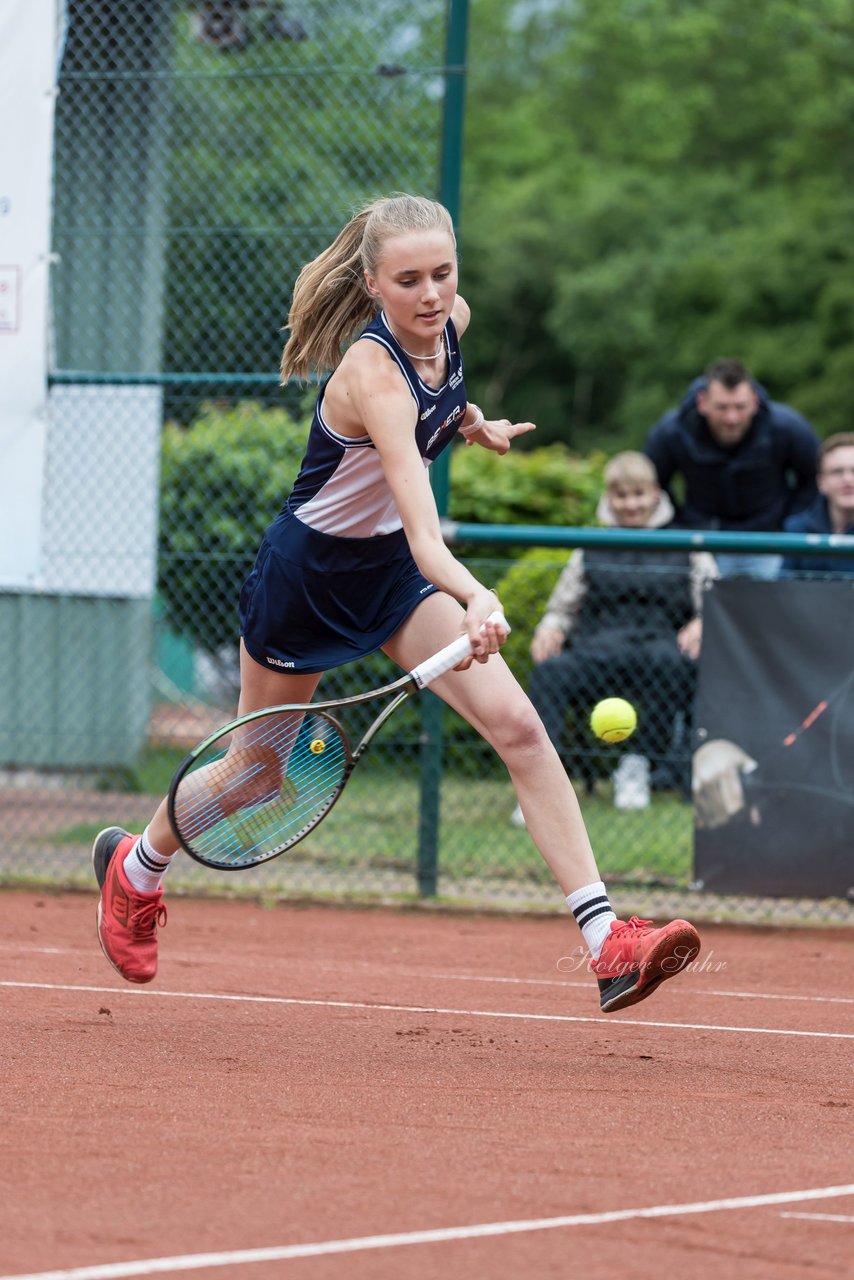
x,y
341,488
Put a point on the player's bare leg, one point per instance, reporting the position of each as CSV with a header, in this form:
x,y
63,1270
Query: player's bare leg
x,y
490,698
630,959
259,687
129,868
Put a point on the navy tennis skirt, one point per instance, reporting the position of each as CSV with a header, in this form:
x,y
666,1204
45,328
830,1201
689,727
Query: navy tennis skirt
x,y
314,601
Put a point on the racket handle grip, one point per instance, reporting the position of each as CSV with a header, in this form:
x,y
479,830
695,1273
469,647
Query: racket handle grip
x,y
446,659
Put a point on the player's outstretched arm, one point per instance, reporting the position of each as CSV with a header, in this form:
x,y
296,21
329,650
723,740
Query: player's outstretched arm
x,y
495,434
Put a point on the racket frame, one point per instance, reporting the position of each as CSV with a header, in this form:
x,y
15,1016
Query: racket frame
x,y
404,686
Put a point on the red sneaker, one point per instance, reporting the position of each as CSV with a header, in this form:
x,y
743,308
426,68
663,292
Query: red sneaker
x,y
127,919
636,958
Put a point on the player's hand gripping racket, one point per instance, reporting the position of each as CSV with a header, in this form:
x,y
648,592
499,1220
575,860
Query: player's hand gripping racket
x,y
261,783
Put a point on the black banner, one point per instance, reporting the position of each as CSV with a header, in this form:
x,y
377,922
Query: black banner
x,y
773,766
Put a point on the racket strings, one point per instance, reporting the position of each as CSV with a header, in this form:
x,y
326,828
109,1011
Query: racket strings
x,y
251,792
231,773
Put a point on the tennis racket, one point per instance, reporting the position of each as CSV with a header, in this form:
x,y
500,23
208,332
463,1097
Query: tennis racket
x,y
262,782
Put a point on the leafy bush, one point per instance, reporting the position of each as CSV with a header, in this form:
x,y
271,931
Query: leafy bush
x,y
224,477
548,486
222,481
524,590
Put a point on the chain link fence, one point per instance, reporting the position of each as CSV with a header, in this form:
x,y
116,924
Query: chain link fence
x,y
430,810
203,152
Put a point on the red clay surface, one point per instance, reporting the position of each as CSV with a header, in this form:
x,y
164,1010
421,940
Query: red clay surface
x,y
143,1123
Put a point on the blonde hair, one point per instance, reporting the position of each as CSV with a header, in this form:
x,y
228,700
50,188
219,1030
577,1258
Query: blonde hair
x,y
629,467
331,302
842,440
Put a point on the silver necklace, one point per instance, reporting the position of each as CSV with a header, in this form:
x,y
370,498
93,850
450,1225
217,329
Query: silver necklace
x,y
438,356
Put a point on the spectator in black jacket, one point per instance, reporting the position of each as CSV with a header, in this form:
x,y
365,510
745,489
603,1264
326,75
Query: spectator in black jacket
x,y
745,463
832,511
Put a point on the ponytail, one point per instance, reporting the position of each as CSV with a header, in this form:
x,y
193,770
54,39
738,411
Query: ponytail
x,y
331,303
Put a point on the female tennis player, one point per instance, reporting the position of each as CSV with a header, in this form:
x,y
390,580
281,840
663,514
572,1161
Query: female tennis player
x,y
355,562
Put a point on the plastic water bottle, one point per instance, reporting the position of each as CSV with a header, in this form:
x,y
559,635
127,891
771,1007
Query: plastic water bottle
x,y
631,782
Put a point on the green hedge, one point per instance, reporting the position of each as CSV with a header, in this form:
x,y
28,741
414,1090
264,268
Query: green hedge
x,y
225,477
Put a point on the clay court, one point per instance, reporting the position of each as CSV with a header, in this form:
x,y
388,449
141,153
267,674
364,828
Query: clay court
x,y
325,1093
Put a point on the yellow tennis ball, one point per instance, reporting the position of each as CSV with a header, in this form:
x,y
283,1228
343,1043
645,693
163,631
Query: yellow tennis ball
x,y
613,719
317,745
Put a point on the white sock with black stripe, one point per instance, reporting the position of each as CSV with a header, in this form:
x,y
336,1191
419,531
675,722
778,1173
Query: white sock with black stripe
x,y
593,915
144,866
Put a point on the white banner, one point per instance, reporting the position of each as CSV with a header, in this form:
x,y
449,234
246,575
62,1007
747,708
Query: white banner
x,y
27,92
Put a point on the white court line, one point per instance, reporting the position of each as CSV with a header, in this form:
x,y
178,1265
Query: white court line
x,y
358,1244
820,1217
495,978
41,951
557,982
421,1008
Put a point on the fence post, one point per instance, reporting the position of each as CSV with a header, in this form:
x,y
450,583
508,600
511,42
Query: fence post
x,y
449,194
431,779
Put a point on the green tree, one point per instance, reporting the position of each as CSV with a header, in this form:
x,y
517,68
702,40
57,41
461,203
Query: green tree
x,y
666,183
274,145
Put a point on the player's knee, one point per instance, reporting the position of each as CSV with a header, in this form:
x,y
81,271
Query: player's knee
x,y
521,732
